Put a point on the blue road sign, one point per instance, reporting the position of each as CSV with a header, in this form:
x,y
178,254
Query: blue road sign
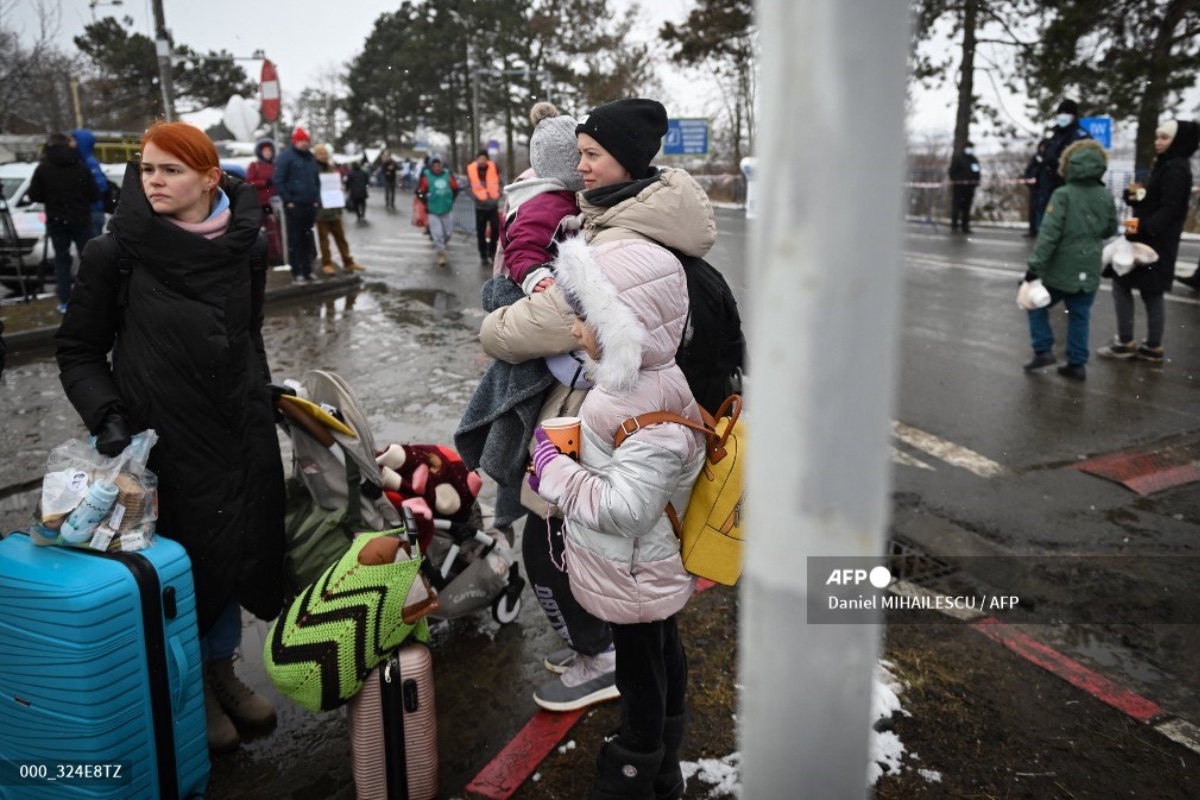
x,y
686,137
1100,128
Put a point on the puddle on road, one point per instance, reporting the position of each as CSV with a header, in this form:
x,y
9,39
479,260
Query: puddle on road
x,y
1108,654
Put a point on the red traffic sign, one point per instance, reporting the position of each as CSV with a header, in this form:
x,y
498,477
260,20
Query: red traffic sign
x,y
269,88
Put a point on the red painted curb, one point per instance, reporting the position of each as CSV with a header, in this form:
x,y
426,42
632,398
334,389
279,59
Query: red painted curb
x,y
520,757
1069,670
513,765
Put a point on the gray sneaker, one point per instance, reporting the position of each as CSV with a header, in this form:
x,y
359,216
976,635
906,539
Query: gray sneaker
x,y
559,661
589,680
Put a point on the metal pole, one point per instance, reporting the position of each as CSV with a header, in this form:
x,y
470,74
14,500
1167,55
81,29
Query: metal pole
x,y
831,139
475,109
163,47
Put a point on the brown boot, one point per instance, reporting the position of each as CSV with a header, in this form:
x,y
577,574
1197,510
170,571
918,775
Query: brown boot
x,y
354,266
238,700
328,271
222,736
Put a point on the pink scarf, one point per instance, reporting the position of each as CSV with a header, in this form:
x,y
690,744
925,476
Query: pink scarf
x,y
210,228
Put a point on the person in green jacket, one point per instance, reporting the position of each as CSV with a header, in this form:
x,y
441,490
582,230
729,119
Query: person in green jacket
x,y
1079,217
437,191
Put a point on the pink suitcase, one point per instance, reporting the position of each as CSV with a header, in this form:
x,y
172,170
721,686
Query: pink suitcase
x,y
393,729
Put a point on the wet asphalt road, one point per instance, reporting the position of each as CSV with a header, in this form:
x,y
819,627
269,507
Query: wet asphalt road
x,y
406,342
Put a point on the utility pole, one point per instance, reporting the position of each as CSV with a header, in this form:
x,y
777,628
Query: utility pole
x,y
831,133
73,80
163,46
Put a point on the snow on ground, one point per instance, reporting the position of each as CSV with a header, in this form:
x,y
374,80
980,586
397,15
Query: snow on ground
x,y
722,774
885,748
886,751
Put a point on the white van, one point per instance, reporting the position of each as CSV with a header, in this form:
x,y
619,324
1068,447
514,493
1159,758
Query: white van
x,y
31,256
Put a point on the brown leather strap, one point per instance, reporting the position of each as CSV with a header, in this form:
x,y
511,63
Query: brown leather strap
x,y
732,407
671,515
634,424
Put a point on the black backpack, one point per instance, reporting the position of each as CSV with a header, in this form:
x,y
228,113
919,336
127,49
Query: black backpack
x,y
712,352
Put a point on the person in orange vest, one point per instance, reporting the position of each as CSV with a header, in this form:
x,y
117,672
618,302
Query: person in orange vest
x,y
485,187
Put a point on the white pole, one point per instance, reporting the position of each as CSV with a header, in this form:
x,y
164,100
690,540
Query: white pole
x,y
823,311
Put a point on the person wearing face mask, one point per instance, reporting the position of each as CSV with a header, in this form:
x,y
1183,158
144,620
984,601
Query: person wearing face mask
x,y
964,177
1066,131
191,364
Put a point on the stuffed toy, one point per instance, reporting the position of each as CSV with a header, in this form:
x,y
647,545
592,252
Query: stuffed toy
x,y
430,480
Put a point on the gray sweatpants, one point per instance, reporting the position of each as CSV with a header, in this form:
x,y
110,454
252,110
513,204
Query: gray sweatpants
x,y
441,226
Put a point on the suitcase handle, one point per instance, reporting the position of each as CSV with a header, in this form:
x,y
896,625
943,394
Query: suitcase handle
x,y
181,670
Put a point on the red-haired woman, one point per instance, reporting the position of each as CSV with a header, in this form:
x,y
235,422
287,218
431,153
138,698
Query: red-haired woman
x,y
174,293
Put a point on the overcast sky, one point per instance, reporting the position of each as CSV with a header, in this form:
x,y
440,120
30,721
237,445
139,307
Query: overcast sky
x,y
308,38
305,38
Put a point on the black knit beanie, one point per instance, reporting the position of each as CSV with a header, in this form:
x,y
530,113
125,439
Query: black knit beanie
x,y
630,130
1068,106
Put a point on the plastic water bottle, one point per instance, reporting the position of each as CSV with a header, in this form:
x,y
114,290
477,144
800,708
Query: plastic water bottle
x,y
83,521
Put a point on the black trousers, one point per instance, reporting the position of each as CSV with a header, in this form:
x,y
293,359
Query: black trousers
x,y
302,248
541,548
962,197
487,231
652,677
389,194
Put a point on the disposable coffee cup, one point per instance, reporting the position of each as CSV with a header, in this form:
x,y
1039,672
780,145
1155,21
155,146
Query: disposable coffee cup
x,y
564,433
1131,225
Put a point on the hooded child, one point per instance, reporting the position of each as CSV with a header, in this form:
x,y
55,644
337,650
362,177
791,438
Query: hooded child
x,y
1067,257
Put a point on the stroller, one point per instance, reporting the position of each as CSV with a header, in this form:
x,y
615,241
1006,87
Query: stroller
x,y
468,567
341,485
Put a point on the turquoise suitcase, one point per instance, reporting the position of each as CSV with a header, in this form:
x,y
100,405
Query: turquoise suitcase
x,y
101,694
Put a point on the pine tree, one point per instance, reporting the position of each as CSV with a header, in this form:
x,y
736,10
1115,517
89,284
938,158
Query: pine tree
x,y
1131,59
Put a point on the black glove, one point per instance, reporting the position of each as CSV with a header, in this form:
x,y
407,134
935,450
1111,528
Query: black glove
x,y
114,435
1029,276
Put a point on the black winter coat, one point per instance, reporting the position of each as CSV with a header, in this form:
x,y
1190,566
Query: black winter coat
x,y
357,181
1058,141
964,170
184,329
1162,212
64,184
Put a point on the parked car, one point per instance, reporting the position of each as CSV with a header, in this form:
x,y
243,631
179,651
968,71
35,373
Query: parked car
x,y
25,250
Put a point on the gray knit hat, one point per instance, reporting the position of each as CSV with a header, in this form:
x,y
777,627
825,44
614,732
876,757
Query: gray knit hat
x,y
553,152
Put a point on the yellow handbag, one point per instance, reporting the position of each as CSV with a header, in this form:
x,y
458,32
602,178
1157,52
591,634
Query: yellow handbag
x,y
710,533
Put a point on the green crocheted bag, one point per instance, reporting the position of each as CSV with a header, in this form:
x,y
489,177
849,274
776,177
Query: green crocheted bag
x,y
320,650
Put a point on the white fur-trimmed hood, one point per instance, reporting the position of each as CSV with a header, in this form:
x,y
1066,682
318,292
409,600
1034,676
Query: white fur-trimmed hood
x,y
634,295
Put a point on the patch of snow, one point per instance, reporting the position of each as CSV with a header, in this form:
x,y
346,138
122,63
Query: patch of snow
x,y
931,775
885,750
723,774
567,747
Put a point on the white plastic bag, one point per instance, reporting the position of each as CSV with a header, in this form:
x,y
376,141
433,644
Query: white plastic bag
x,y
1123,255
1033,295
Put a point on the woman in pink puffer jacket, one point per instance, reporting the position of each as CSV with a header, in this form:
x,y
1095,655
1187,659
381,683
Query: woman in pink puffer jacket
x,y
630,295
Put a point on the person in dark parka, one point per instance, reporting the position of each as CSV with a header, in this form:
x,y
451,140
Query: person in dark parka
x,y
63,182
1160,215
1066,132
964,179
184,330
